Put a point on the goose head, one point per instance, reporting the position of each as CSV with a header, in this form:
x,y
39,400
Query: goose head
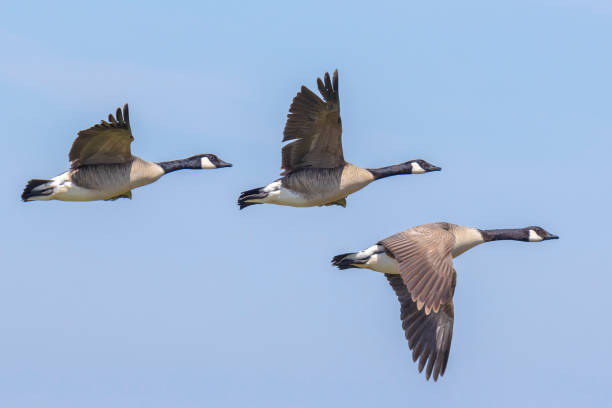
x,y
210,161
537,234
420,166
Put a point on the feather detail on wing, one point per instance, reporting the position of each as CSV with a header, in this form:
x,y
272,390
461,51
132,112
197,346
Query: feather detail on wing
x,y
316,127
105,143
429,335
425,263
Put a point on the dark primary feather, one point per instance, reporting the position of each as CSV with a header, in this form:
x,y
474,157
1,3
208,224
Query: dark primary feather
x,y
104,143
429,335
316,127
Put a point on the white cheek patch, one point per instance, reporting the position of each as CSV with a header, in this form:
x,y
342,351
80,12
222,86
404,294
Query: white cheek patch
x,y
207,164
416,168
534,237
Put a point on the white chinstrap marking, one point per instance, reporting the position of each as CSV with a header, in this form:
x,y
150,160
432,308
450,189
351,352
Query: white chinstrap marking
x,y
207,164
416,168
534,237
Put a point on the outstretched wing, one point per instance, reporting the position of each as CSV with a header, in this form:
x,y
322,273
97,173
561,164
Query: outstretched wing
x,y
429,335
425,263
316,127
106,143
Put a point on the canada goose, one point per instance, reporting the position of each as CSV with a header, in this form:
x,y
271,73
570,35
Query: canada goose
x,y
102,166
418,263
315,172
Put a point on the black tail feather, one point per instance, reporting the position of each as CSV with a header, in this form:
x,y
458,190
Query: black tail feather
x,y
341,262
251,191
32,184
255,193
243,205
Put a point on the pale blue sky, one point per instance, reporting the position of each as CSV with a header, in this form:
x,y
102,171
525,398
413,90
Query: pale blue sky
x,y
177,299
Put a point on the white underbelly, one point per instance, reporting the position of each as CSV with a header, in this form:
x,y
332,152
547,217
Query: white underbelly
x,y
278,194
71,192
65,190
281,195
286,196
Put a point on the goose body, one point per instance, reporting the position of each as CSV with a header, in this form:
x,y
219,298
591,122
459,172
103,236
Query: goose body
x,y
314,187
315,172
102,181
103,168
418,265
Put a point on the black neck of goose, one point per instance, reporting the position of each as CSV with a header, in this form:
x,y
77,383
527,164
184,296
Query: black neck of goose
x,y
404,168
517,234
174,165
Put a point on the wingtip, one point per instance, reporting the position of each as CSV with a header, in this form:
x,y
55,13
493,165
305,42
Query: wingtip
x,y
335,80
126,114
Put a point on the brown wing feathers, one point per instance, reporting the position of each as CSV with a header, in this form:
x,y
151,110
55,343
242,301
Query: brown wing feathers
x,y
316,127
429,335
120,122
106,142
425,263
329,90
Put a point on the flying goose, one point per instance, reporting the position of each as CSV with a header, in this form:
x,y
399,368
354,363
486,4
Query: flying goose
x,y
102,166
314,170
418,263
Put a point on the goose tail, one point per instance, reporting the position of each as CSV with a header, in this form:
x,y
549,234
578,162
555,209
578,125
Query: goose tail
x,y
348,260
37,189
253,194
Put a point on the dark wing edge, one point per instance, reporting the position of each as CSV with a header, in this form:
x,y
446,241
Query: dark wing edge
x,y
306,105
307,120
121,122
429,335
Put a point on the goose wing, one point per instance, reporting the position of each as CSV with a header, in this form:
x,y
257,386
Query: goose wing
x,y
429,335
425,263
105,143
316,127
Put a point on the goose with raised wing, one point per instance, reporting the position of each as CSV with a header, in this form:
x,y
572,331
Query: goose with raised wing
x,y
102,166
418,263
314,170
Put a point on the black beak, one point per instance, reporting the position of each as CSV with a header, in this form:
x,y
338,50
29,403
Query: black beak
x,y
434,168
223,164
550,236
